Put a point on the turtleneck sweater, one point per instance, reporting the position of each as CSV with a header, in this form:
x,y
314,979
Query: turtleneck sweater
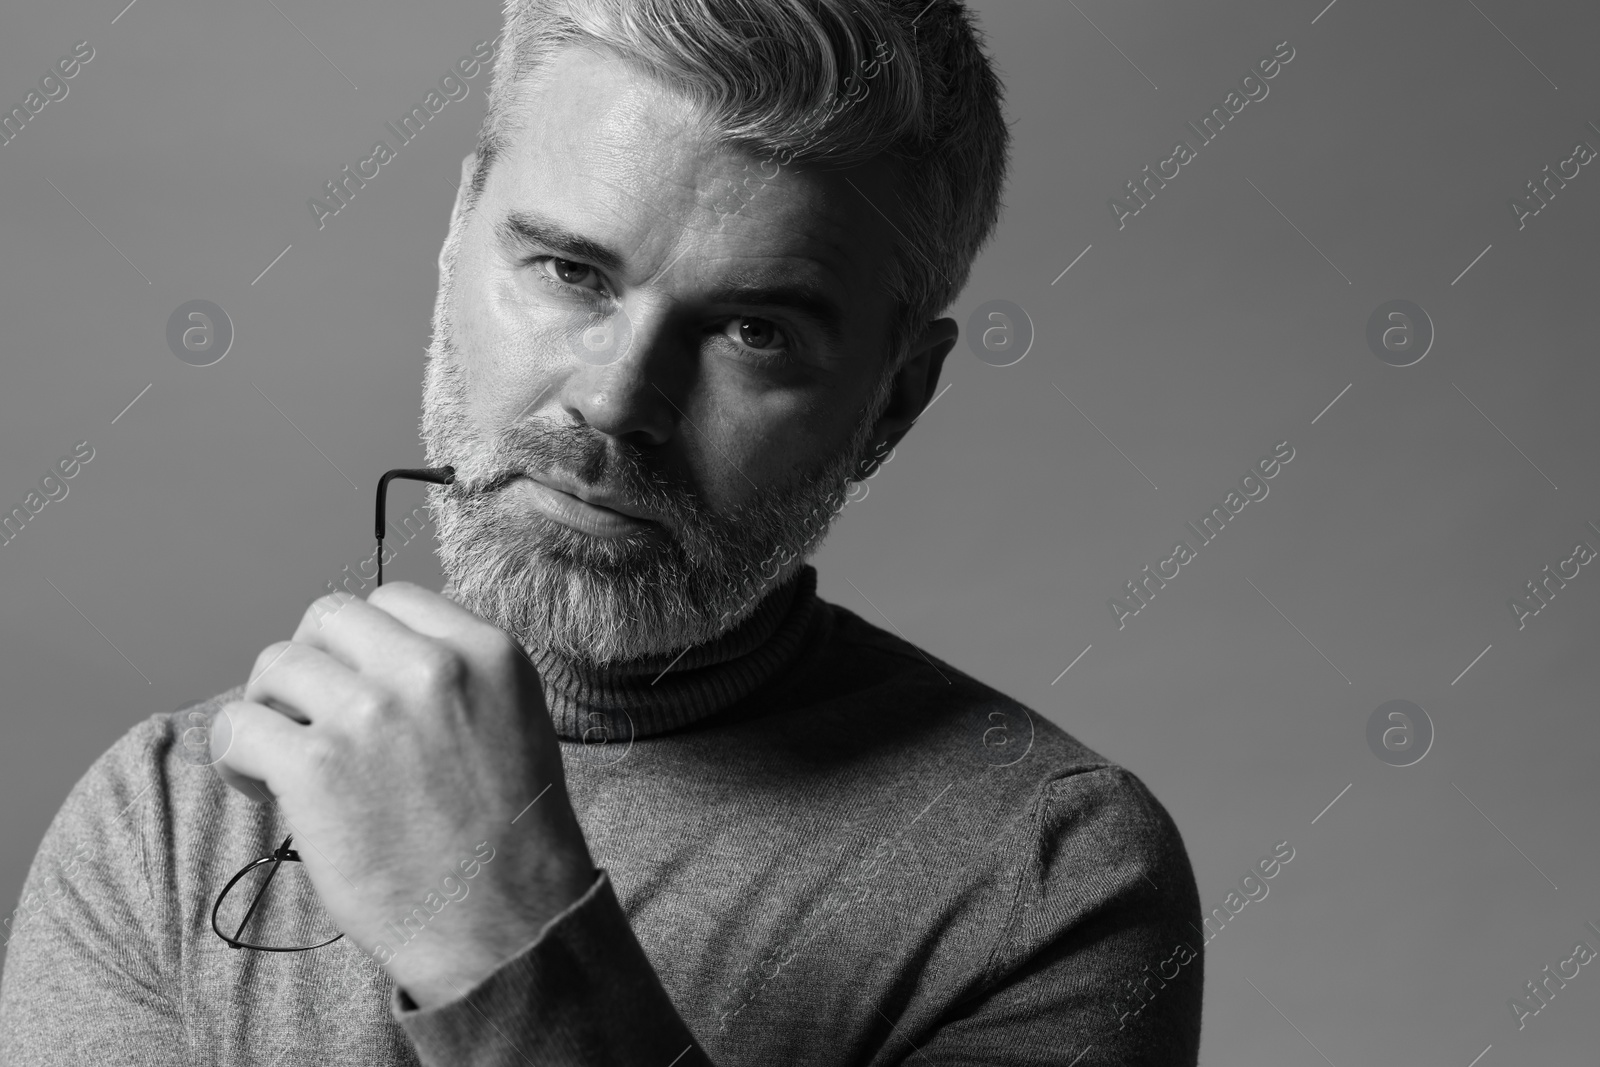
x,y
672,691
815,844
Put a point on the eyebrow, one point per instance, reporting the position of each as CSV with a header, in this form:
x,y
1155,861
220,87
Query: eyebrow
x,y
808,300
522,227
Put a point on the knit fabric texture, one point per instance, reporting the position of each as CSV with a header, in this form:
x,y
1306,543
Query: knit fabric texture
x,y
817,845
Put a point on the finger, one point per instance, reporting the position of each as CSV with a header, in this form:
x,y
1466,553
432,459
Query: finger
x,y
307,684
444,619
359,635
257,750
427,612
266,662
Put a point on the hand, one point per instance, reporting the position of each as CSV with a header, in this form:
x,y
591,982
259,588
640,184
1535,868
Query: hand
x,y
397,734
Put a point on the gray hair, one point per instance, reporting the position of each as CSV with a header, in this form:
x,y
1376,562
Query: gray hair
x,y
832,82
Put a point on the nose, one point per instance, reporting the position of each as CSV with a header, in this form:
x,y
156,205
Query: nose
x,y
622,376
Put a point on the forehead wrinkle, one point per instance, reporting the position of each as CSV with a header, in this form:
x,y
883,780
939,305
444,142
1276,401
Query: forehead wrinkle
x,y
739,261
636,183
829,243
668,214
606,225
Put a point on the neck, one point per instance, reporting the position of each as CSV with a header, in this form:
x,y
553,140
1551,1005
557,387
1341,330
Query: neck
x,y
616,703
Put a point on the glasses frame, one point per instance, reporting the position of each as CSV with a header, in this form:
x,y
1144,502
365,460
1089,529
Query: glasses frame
x,y
283,853
280,855
435,475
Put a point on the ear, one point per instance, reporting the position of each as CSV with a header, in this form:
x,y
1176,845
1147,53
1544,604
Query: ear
x,y
915,381
469,163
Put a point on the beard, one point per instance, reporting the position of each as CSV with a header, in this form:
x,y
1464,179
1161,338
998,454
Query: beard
x,y
680,582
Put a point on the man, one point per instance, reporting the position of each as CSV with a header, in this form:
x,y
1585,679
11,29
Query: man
x,y
629,793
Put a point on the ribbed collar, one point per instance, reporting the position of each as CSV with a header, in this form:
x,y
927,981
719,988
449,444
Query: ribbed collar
x,y
638,700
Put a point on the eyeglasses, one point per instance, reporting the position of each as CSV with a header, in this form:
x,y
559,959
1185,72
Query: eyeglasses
x,y
280,929
285,935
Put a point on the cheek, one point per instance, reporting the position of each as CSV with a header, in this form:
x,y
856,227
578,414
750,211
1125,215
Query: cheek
x,y
758,433
504,348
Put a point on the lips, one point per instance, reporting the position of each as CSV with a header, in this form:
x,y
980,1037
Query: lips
x,y
596,514
609,501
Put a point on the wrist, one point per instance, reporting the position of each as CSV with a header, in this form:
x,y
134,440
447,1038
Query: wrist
x,y
444,966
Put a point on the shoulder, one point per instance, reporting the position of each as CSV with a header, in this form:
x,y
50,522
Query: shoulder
x,y
1071,802
142,772
152,807
111,854
156,747
1079,847
156,776
925,701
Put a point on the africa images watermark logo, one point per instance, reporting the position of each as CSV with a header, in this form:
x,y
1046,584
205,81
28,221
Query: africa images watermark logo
x,y
1400,733
999,333
52,88
1252,487
1541,992
1540,191
453,887
1540,591
1253,87
199,332
1400,333
52,487
453,85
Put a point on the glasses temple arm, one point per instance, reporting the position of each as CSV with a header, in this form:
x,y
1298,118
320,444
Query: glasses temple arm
x,y
435,475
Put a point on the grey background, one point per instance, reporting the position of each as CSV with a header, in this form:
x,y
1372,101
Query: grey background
x,y
1195,338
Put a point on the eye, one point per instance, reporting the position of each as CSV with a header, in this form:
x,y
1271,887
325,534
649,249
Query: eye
x,y
762,335
579,275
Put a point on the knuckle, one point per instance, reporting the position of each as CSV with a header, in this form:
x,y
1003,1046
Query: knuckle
x,y
320,610
271,655
367,712
439,668
501,652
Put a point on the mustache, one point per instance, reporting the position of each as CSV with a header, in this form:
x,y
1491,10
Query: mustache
x,y
579,453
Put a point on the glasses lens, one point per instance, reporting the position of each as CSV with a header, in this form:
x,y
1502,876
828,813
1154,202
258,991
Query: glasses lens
x,y
287,914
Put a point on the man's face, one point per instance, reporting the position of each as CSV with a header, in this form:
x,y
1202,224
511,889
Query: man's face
x,y
759,328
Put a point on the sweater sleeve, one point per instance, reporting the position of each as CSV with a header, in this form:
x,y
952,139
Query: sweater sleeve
x,y
88,974
1098,963
582,992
